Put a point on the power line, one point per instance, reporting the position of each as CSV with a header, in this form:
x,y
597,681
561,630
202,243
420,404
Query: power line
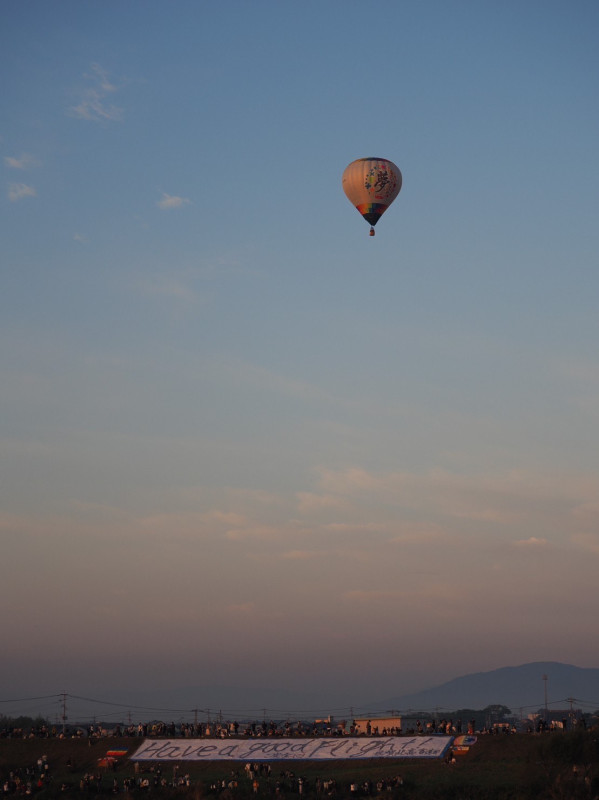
x,y
27,699
61,699
129,705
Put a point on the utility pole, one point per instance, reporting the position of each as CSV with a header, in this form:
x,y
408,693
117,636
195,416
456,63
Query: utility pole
x,y
546,711
571,700
64,713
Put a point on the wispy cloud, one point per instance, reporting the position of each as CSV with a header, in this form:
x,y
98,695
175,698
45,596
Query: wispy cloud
x,y
172,201
376,595
587,540
533,541
259,532
259,376
311,501
507,498
173,288
25,161
94,101
18,191
301,555
225,517
243,610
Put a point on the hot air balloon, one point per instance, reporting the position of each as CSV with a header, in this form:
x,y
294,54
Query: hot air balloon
x,y
371,185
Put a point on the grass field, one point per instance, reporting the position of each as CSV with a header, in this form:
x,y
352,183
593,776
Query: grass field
x,y
555,766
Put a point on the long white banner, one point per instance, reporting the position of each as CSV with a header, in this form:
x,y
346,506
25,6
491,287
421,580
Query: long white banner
x,y
292,749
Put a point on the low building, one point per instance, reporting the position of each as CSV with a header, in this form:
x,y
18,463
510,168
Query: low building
x,y
378,726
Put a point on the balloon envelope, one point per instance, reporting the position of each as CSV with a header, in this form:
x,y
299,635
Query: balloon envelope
x,y
371,185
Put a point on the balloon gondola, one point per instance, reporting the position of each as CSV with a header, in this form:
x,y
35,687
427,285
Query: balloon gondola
x,y
371,185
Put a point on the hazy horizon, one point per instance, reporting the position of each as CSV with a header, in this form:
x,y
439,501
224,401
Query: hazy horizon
x,y
242,442
524,689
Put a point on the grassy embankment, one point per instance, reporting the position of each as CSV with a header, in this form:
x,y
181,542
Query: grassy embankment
x,y
514,767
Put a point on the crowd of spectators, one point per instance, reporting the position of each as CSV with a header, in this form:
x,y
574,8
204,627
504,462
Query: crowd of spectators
x,y
257,780
225,730
28,780
172,730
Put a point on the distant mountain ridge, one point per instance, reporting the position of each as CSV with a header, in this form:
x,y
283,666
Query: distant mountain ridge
x,y
519,687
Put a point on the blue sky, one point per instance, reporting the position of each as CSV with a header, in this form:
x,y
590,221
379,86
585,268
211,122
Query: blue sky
x,y
242,441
